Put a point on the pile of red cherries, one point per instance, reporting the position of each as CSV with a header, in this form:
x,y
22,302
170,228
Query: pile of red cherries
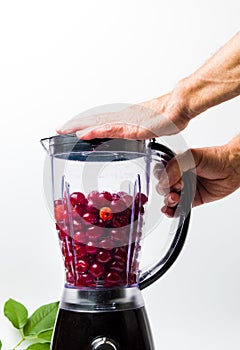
x,y
99,236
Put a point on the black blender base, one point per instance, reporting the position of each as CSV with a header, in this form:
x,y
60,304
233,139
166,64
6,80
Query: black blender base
x,y
117,330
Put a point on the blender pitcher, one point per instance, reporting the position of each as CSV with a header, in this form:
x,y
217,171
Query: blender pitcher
x,y
106,210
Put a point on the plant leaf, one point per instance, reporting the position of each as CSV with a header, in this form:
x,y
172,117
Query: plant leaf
x,y
0,345
39,346
41,320
16,313
46,335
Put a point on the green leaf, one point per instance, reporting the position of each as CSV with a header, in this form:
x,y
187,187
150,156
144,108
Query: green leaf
x,y
0,345
16,313
39,346
46,335
41,320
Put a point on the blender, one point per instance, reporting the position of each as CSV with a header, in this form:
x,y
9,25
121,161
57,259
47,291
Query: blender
x,y
107,211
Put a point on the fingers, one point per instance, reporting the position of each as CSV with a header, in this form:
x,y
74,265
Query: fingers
x,y
114,130
175,168
82,122
170,181
172,199
169,212
171,194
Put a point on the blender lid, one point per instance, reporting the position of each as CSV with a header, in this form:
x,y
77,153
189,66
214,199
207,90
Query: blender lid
x,y
68,145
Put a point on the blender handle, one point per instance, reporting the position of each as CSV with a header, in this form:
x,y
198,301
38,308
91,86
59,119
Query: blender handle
x,y
186,197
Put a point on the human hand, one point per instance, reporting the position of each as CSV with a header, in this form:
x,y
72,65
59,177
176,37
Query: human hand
x,y
218,80
165,115
217,170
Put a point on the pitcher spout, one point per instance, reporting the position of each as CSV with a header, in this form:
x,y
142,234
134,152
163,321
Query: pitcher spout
x,y
45,144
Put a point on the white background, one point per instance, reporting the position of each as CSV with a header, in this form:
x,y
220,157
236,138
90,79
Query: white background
x,y
59,58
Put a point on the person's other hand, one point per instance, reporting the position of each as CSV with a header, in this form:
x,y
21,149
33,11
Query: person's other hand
x,y
217,170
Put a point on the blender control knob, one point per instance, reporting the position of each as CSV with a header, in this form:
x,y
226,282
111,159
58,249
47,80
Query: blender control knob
x,y
103,343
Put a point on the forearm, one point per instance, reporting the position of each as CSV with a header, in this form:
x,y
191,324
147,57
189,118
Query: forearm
x,y
218,80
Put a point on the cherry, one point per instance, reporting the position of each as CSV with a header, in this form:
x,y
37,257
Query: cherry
x,y
114,232
77,225
116,222
93,195
62,234
80,250
61,225
84,279
141,198
119,236
106,213
97,269
115,196
59,212
103,199
132,279
113,278
120,254
91,249
127,199
121,194
80,210
90,218
80,237
118,266
70,277
66,246
120,220
93,198
102,223
75,215
94,232
106,244
104,256
68,259
118,205
82,265
58,202
77,198
106,195
91,209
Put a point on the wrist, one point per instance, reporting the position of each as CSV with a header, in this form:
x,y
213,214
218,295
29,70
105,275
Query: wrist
x,y
233,149
192,92
175,109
